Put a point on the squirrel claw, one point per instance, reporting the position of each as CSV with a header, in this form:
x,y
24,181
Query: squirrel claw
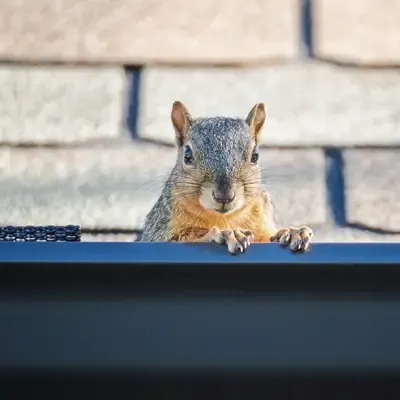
x,y
298,239
237,240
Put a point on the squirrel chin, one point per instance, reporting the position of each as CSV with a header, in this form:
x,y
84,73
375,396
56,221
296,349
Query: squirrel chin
x,y
222,211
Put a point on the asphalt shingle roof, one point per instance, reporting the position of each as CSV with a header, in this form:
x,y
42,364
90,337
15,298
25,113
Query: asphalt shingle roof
x,y
330,146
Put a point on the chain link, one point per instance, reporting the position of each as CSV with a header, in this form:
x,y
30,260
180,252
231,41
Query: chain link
x,y
49,233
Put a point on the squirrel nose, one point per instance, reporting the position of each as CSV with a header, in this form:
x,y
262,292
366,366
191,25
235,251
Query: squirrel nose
x,y
224,197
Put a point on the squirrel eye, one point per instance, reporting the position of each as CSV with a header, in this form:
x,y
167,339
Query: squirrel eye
x,y
254,156
188,155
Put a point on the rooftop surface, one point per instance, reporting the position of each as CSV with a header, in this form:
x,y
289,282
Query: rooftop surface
x,y
329,154
85,100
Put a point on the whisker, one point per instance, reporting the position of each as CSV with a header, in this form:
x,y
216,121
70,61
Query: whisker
x,y
157,179
148,184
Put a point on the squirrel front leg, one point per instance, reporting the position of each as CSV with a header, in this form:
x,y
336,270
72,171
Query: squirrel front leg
x,y
237,240
298,239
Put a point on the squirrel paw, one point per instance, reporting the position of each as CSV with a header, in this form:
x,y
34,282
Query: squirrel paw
x,y
297,239
237,240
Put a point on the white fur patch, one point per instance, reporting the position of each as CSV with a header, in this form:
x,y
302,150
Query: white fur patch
x,y
207,200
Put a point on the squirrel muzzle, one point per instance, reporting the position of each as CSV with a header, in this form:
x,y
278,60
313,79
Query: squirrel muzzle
x,y
222,199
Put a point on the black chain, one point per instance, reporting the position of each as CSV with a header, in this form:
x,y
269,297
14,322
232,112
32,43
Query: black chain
x,y
50,233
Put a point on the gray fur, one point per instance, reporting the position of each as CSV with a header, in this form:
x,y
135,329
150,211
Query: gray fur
x,y
220,145
226,141
158,218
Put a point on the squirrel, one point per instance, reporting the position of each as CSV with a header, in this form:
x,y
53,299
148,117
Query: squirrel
x,y
213,193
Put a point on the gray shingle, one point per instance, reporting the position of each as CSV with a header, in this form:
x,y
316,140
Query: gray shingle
x,y
104,188
308,103
94,187
373,188
46,105
140,32
371,36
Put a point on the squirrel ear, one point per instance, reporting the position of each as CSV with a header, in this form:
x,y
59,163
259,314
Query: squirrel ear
x,y
255,119
181,120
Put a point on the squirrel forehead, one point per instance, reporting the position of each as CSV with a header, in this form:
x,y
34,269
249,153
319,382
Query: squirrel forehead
x,y
220,133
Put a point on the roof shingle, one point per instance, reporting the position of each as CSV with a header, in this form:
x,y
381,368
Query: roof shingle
x,y
371,36
134,32
372,188
309,104
55,105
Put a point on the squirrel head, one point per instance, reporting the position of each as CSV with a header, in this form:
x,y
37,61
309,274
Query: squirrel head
x,y
218,158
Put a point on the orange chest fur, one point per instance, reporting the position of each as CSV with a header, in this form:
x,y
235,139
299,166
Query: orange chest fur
x,y
193,218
